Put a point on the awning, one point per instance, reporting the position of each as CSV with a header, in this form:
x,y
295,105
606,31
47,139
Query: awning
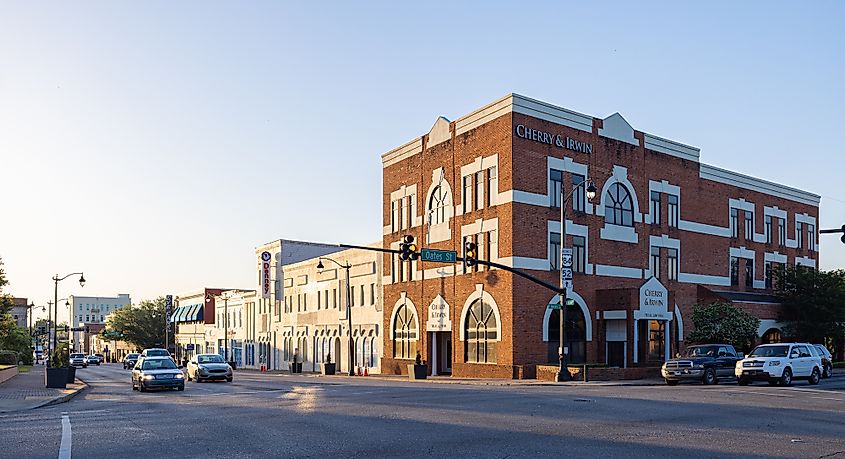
x,y
194,313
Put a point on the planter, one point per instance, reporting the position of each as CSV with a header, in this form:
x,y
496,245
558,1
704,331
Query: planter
x,y
71,375
296,367
329,368
417,371
56,378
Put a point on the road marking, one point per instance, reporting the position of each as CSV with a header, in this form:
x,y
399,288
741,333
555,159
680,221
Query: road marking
x,y
67,437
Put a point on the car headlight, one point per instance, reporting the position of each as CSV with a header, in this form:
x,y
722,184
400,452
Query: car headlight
x,y
697,367
774,363
738,364
148,377
179,375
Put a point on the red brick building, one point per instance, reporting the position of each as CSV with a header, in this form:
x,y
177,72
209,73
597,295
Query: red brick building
x,y
663,233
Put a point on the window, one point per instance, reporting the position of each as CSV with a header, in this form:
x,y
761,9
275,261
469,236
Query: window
x,y
88,318
480,332
767,272
298,302
481,243
749,225
394,216
372,294
404,333
619,209
655,262
437,205
734,223
673,211
554,251
334,298
734,271
326,298
654,208
767,228
409,210
749,272
799,234
492,186
781,232
672,257
556,178
493,245
319,301
479,189
811,237
579,196
352,296
466,197
362,296
579,254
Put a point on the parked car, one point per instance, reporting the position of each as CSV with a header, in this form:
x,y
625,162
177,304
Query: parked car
x,y
78,360
129,361
827,360
706,363
92,360
206,367
157,373
780,364
100,356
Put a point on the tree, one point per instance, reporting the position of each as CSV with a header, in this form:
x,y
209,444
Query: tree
x,y
6,301
12,336
723,323
141,325
813,303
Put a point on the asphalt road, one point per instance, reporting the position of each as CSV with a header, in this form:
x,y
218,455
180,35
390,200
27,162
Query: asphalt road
x,y
262,415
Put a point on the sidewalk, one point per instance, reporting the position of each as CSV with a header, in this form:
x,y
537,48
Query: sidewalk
x,y
26,391
314,377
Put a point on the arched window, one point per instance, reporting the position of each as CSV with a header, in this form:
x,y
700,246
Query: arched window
x,y
576,335
480,328
619,207
405,333
437,205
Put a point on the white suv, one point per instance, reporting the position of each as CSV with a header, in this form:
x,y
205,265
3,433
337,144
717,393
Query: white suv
x,y
780,364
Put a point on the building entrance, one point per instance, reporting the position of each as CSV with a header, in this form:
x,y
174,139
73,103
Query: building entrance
x,y
441,351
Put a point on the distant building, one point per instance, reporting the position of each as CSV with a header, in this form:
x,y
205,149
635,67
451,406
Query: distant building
x,y
92,310
19,312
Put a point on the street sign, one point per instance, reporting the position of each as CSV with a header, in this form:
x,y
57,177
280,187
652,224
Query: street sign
x,y
189,347
553,306
441,256
78,329
566,258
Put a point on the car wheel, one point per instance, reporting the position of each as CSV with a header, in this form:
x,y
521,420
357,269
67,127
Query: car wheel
x,y
786,378
672,382
709,377
743,381
141,387
198,379
188,375
815,377
181,388
828,371
133,385
229,379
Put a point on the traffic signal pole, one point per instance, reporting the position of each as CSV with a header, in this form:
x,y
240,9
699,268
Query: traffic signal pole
x,y
840,230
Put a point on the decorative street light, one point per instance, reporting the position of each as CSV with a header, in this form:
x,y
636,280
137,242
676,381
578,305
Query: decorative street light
x,y
351,349
56,280
29,315
52,309
562,372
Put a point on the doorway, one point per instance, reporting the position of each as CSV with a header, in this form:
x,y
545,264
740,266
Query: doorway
x,y
444,350
652,346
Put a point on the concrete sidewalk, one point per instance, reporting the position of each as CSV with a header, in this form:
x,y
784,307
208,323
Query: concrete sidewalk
x,y
26,391
314,377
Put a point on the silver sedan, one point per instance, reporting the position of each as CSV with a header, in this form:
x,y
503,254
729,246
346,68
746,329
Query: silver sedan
x,y
206,367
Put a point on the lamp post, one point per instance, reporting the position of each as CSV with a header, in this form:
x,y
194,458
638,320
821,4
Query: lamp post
x,y
56,280
590,191
226,296
29,314
351,349
52,309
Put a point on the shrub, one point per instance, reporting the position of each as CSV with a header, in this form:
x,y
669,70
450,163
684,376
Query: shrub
x,y
8,358
60,357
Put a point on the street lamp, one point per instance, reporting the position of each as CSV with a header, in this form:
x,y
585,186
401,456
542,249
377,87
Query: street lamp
x,y
56,280
54,307
228,294
563,372
29,314
347,267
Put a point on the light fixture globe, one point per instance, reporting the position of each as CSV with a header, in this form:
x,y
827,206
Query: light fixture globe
x,y
591,190
82,280
320,264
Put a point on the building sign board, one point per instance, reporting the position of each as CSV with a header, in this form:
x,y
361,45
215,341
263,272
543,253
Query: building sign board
x,y
654,301
265,274
438,316
556,140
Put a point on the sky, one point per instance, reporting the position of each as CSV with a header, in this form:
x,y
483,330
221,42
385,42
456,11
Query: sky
x,y
153,145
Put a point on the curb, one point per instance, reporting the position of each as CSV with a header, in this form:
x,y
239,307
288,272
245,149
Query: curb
x,y
64,398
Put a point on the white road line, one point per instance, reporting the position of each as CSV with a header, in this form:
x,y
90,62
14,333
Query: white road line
x,y
67,437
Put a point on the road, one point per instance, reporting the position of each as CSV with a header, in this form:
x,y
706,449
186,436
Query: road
x,y
261,415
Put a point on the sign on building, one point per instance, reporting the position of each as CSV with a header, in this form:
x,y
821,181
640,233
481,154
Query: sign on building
x,y
438,316
654,301
168,309
266,283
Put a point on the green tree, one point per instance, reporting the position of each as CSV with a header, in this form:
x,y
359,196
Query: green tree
x,y
813,303
723,323
6,301
12,337
141,325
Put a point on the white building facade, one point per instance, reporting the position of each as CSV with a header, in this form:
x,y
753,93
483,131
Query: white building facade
x,y
88,310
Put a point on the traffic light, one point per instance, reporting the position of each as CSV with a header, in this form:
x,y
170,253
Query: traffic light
x,y
843,235
470,254
407,248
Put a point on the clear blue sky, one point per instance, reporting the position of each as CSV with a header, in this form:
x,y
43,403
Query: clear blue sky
x,y
155,144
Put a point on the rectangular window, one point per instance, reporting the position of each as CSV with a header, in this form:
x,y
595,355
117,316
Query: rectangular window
x,y
352,295
579,254
298,302
768,274
781,232
556,178
493,247
734,223
654,208
767,228
372,293
554,251
334,298
362,297
326,298
672,257
734,271
479,189
492,185
319,301
409,214
799,234
579,197
479,240
400,212
673,211
304,301
811,237
749,272
655,262
749,225
466,197
394,216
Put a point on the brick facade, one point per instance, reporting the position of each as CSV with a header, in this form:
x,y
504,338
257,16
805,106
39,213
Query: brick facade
x,y
509,147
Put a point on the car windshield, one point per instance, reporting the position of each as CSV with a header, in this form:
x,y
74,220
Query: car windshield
x,y
132,356
77,356
769,351
822,350
158,364
210,359
703,351
157,352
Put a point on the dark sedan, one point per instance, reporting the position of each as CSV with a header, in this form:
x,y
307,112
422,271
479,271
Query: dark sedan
x,y
129,361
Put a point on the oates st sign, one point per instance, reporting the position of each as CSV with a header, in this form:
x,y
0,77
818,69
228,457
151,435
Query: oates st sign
x,y
556,140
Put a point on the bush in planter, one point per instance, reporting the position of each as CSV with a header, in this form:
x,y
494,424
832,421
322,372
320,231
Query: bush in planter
x,y
8,358
60,357
328,367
